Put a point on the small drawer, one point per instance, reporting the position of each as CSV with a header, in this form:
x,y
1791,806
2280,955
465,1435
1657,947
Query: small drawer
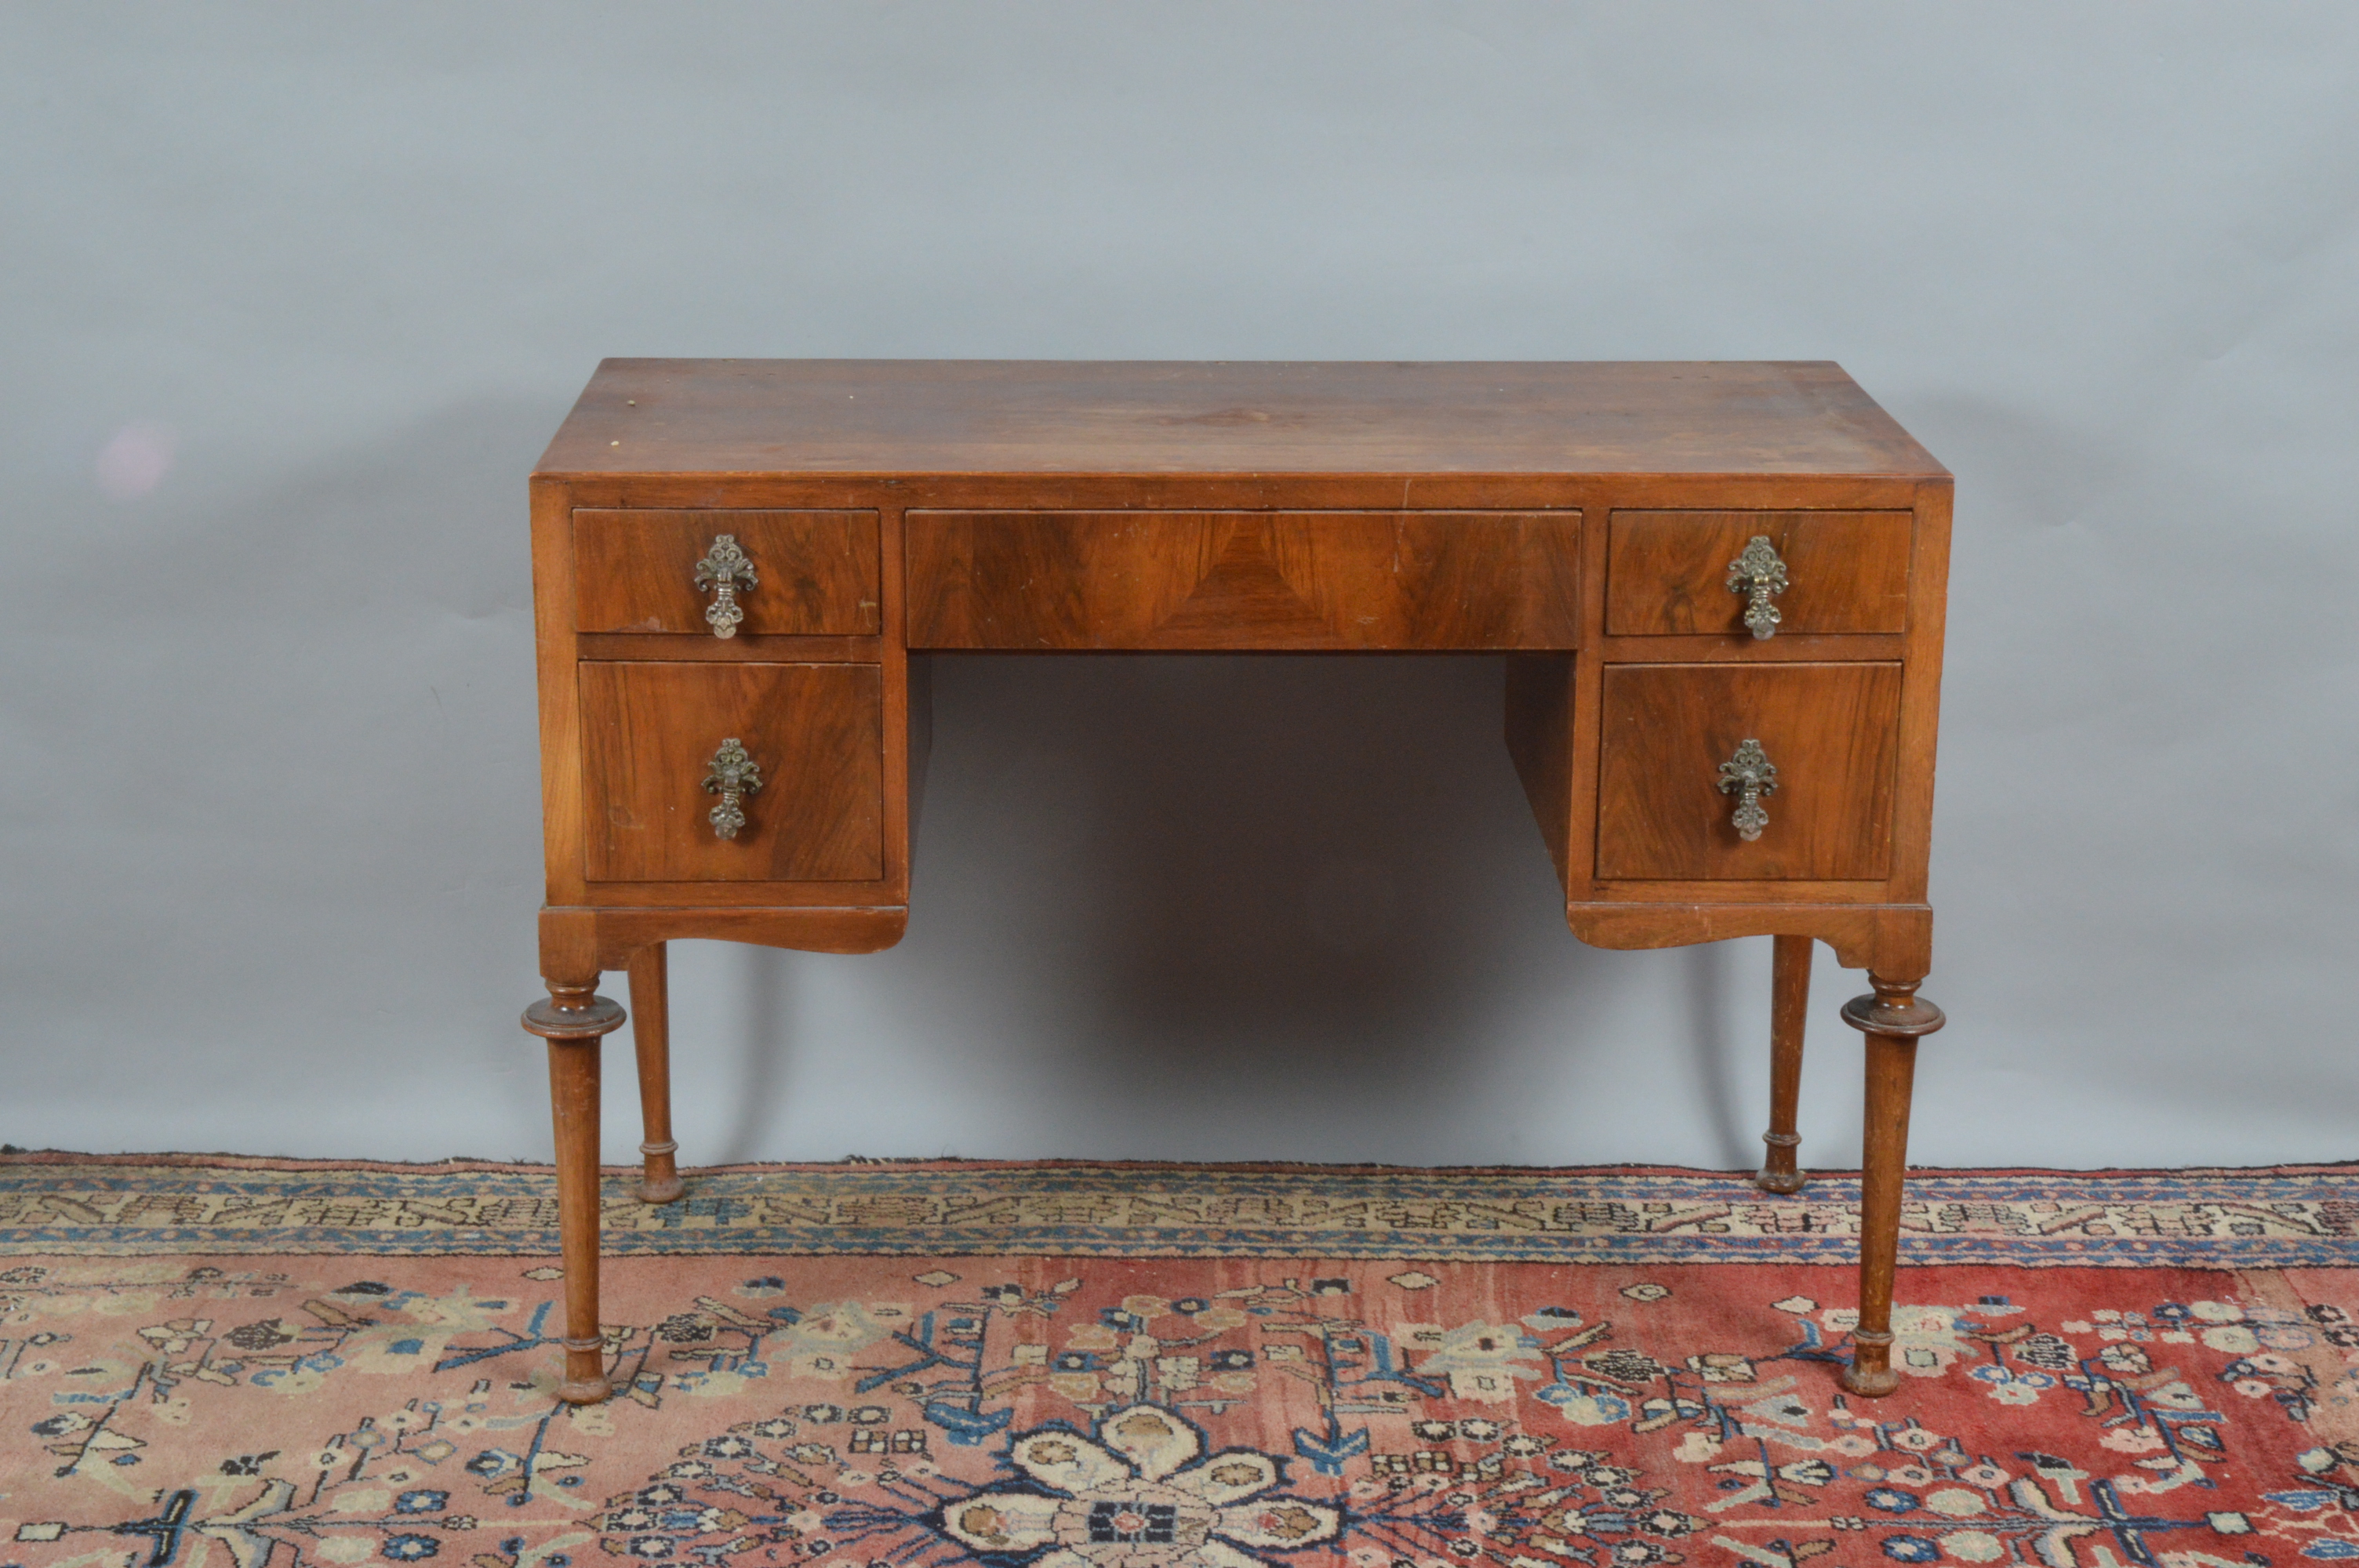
x,y
815,573
651,732
1666,573
1831,732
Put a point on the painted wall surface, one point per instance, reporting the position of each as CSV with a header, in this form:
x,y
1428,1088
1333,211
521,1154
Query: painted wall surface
x,y
290,298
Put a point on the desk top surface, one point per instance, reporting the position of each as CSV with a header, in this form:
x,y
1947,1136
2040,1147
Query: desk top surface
x,y
1108,417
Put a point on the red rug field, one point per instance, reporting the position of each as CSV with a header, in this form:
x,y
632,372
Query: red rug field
x,y
212,1363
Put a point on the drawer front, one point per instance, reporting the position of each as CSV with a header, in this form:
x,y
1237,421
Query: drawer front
x,y
650,732
1243,579
815,572
1667,572
1830,731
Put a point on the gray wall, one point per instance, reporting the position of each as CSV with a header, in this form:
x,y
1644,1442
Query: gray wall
x,y
268,842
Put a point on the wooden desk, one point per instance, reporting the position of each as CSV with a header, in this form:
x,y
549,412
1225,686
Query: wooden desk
x,y
1719,589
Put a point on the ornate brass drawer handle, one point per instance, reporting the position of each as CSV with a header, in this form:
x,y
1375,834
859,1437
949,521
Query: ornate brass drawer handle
x,y
1749,775
724,569
734,777
1760,576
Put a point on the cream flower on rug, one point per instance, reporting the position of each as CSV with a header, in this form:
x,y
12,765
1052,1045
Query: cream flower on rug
x,y
1140,1495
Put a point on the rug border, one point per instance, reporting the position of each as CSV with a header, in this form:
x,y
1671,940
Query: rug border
x,y
62,1174
12,1158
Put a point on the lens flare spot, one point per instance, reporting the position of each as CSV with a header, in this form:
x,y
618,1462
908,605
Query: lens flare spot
x,y
135,459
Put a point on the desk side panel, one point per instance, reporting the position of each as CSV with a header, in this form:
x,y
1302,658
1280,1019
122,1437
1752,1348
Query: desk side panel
x,y
555,654
1539,741
1920,696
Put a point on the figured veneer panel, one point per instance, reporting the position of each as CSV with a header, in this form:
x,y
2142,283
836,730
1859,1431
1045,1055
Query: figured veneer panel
x,y
636,570
816,732
1243,579
1667,572
1832,731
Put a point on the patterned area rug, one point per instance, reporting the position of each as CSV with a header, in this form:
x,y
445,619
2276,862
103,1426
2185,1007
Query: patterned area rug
x,y
261,1364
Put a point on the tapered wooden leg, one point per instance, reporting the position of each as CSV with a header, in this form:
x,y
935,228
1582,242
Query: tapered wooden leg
x,y
1892,1019
651,1036
1789,1006
573,1021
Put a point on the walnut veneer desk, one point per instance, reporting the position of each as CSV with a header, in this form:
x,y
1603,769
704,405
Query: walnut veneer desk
x,y
1719,589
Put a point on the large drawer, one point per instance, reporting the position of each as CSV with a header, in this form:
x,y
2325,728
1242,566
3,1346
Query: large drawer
x,y
815,573
1243,579
1830,731
1667,572
651,735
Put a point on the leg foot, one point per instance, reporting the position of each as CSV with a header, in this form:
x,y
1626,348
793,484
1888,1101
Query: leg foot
x,y
573,1021
651,1039
1892,1019
585,1374
1870,1375
1778,1173
1790,1004
660,1182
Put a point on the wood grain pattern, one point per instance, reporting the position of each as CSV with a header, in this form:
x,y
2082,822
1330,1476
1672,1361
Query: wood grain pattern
x,y
1920,705
573,1113
1894,1018
790,650
1469,490
1790,1010
1033,418
816,732
1831,729
807,928
1540,742
575,1020
917,730
650,972
1859,934
1243,579
1798,647
562,825
1667,572
636,570
1891,1077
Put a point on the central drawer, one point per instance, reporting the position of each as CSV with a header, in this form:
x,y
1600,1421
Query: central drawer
x,y
652,732
1243,579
